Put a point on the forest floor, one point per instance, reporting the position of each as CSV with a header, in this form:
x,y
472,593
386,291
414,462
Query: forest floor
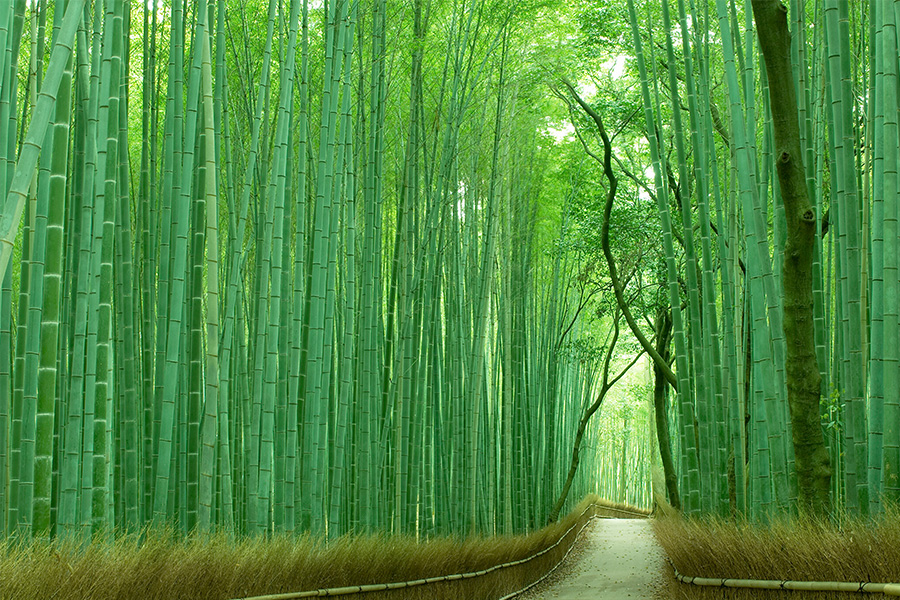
x,y
617,559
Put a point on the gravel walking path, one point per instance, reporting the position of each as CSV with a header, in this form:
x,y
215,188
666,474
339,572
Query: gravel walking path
x,y
618,560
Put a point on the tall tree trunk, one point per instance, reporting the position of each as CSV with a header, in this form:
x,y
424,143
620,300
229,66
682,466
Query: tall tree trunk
x,y
660,385
803,379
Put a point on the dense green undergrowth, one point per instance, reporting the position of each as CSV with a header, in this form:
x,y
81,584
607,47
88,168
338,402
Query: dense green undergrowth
x,y
159,565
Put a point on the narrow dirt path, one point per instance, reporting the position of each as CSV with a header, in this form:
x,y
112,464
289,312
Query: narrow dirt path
x,y
620,561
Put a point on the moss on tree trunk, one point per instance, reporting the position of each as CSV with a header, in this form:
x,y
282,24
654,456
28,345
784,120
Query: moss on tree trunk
x,y
803,380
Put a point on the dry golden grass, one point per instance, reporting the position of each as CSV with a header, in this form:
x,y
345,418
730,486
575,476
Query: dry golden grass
x,y
215,567
802,550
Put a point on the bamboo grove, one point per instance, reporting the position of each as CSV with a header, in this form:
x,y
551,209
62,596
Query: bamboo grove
x,y
277,266
701,85
292,265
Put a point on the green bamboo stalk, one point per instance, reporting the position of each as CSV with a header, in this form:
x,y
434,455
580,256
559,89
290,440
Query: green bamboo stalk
x,y
30,307
18,401
837,27
211,410
172,371
876,356
273,245
768,378
482,297
8,94
91,511
292,465
5,391
100,353
8,55
712,336
14,203
692,501
891,189
708,446
233,332
337,525
317,392
82,221
146,251
51,305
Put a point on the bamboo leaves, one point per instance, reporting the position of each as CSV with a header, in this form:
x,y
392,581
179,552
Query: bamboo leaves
x,y
198,327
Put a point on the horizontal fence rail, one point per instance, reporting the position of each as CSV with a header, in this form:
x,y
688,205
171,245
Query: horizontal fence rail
x,y
888,589
382,587
561,560
635,513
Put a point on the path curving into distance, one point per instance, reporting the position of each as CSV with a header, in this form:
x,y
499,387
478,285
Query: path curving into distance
x,y
620,561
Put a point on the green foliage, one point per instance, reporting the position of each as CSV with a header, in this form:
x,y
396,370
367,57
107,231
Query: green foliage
x,y
306,283
707,128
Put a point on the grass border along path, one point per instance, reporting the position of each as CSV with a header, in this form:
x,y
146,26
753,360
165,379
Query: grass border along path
x,y
852,550
216,567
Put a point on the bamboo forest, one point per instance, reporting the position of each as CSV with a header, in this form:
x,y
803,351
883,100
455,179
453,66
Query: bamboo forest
x,y
445,267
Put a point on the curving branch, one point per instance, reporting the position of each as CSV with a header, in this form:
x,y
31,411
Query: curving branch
x,y
604,240
605,386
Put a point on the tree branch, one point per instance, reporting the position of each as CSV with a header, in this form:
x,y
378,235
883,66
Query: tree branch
x,y
604,240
